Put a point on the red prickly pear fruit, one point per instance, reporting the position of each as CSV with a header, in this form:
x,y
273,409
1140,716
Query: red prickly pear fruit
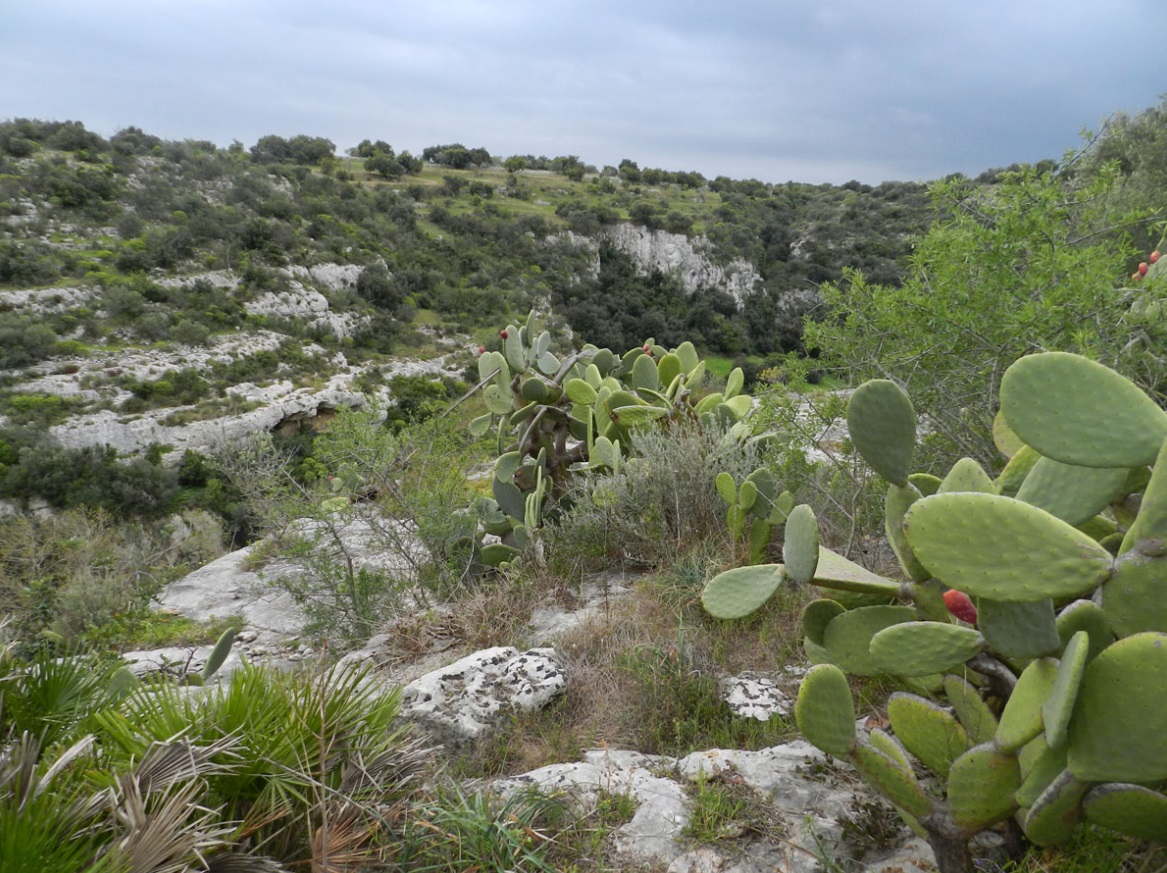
x,y
1154,257
648,350
1143,268
958,604
1136,275
503,334
482,350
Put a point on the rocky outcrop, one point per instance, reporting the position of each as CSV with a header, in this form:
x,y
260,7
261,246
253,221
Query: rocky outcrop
x,y
330,277
45,300
279,403
227,588
459,703
816,802
678,255
756,696
689,260
306,304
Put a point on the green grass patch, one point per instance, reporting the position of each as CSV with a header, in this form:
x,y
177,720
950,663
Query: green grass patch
x,y
721,366
146,629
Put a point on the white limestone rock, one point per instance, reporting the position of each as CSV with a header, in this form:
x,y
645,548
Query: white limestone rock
x,y
811,798
176,661
331,277
596,596
281,401
460,702
753,695
225,588
230,587
677,254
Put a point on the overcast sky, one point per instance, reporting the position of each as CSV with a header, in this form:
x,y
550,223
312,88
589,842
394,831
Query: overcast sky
x,y
804,90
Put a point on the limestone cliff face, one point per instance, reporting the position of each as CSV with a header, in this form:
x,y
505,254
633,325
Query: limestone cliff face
x,y
688,260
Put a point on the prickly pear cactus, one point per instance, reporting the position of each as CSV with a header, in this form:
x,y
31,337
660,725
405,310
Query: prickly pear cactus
x,y
1034,604
754,509
553,418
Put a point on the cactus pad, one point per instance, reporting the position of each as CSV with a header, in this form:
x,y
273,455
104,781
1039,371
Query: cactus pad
x,y
1056,811
899,500
726,487
738,592
882,424
1007,442
687,352
645,373
580,391
1088,616
967,475
669,368
925,483
970,709
766,482
1079,412
1021,720
847,637
836,572
894,781
921,648
1016,471
1019,629
494,365
928,731
816,616
218,654
497,399
1135,597
496,554
1060,703
1148,534
800,550
759,538
981,785
1129,809
636,415
890,746
1119,721
1069,492
510,499
480,425
1046,766
825,711
992,546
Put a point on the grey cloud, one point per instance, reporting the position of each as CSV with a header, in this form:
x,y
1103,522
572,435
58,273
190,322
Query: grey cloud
x,y
815,90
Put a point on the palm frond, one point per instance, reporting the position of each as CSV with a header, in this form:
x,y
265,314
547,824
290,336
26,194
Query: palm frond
x,y
45,825
342,842
166,831
178,759
231,861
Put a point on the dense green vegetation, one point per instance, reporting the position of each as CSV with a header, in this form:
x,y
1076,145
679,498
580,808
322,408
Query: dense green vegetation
x,y
938,287
453,231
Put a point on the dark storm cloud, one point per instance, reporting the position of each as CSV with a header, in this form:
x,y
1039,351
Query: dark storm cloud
x,y
812,91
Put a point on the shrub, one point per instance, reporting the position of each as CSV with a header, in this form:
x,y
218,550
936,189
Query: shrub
x,y
24,340
1030,263
382,513
190,333
662,501
91,477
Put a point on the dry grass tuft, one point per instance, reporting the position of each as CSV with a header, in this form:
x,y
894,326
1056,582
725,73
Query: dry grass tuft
x,y
644,675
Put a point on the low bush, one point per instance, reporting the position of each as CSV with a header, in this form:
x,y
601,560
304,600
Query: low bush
x,y
660,503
